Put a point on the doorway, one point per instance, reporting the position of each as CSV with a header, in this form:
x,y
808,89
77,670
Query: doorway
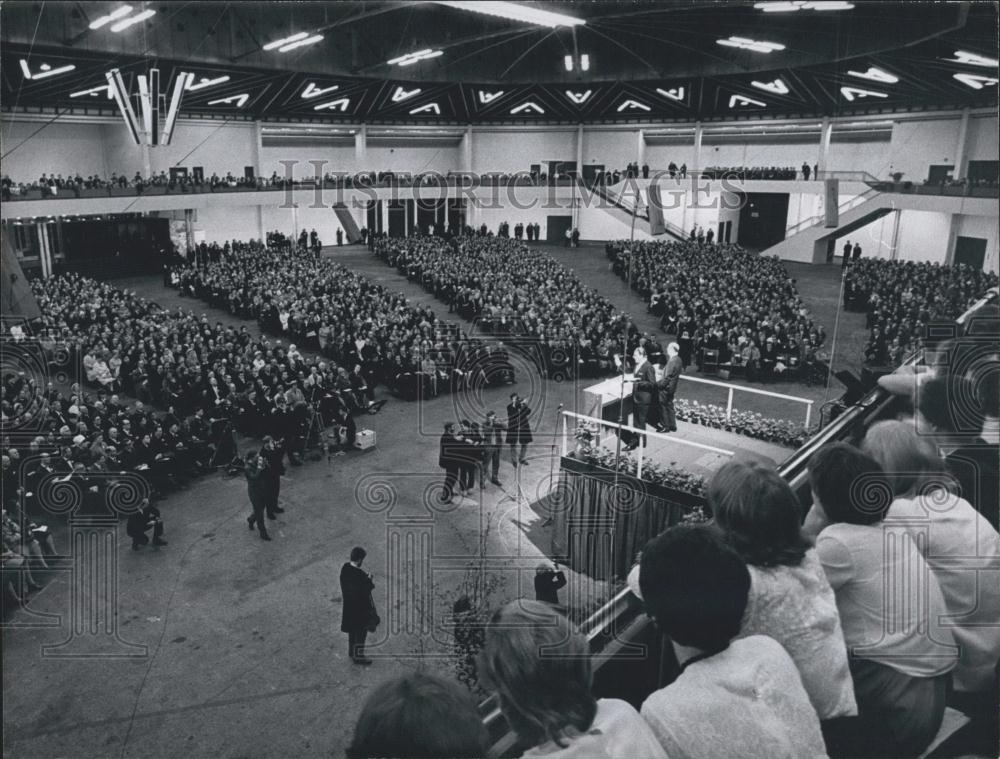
x,y
939,173
556,227
970,251
762,219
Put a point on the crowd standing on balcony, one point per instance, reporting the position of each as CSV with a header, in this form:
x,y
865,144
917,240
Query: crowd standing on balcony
x,y
901,298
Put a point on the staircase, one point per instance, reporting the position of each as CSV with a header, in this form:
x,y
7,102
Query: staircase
x,y
625,206
809,240
347,223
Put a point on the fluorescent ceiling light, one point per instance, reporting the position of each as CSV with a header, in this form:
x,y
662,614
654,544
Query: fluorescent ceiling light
x,y
973,59
515,12
585,62
875,75
93,91
740,100
411,58
786,7
674,93
206,82
430,107
632,104
300,43
778,87
340,104
312,91
116,14
529,106
976,81
138,18
568,60
744,43
400,94
285,40
579,97
238,100
44,71
488,97
854,93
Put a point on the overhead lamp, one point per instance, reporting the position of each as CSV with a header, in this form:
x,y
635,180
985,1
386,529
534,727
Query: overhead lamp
x,y
488,97
785,7
121,97
300,43
778,86
743,100
633,104
116,14
312,91
340,104
93,92
579,97
585,62
400,94
173,110
429,108
855,93
138,18
515,12
568,60
529,106
973,59
44,71
286,40
674,93
206,82
876,75
238,100
745,43
410,58
976,81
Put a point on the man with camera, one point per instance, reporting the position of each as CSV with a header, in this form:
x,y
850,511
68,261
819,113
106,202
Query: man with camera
x,y
141,521
518,429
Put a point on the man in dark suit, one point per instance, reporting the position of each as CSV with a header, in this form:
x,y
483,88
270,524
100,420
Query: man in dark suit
x,y
142,520
259,491
448,459
274,456
518,429
493,443
356,586
548,580
847,255
857,253
667,388
643,388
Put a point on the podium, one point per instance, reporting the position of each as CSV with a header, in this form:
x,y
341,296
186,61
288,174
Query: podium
x,y
602,400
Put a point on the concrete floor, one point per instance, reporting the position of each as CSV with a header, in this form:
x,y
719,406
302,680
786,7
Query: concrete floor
x,y
244,653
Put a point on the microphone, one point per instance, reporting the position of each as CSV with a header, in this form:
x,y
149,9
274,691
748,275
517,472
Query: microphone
x,y
560,405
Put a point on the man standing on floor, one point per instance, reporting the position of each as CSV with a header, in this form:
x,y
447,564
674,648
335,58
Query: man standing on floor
x,y
847,255
356,586
667,388
857,253
518,429
493,442
448,460
643,387
274,456
257,489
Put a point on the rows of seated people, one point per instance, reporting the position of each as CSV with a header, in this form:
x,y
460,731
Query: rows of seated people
x,y
512,290
785,640
373,334
57,185
722,301
901,298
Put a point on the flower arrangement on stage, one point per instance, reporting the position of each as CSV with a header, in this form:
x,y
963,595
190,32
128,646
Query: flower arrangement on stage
x,y
666,475
585,434
747,423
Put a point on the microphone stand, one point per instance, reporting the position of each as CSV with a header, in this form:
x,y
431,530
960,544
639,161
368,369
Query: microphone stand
x,y
621,392
552,459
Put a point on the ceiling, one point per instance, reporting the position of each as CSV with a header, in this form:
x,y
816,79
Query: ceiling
x,y
647,61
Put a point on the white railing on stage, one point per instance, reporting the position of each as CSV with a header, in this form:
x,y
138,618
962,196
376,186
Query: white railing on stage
x,y
739,388
640,450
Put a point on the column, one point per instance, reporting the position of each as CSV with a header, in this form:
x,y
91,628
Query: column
x,y
260,223
147,165
697,146
189,227
466,157
640,147
579,176
960,145
826,130
258,148
361,148
44,253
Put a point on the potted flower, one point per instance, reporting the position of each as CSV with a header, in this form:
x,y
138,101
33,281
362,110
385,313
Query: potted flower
x,y
586,436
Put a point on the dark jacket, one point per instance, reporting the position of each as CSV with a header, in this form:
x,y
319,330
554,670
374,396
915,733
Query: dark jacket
x,y
449,452
138,521
547,586
518,426
258,486
674,369
356,588
644,385
976,468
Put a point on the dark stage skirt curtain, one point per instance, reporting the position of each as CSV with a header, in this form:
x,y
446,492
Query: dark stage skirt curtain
x,y
599,527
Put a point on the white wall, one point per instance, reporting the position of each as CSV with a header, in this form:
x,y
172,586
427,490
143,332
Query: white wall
x,y
923,235
877,239
222,224
753,154
414,159
916,145
613,148
659,156
512,151
984,227
338,158
218,148
983,139
873,157
57,148
121,154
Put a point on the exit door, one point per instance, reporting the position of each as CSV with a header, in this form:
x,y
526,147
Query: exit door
x,y
970,251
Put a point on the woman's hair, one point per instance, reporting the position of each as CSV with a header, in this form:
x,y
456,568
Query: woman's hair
x,y
419,716
850,485
911,463
695,586
758,514
538,663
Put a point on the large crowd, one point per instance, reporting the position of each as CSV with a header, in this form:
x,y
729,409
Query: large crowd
x,y
372,336
722,298
901,298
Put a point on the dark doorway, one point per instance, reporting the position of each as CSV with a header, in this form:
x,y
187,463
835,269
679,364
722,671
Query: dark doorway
x,y
198,172
939,173
555,228
762,219
590,172
983,171
373,217
248,172
456,215
397,218
178,172
970,251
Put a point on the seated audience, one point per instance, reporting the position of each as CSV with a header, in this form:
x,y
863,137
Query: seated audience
x,y
900,655
419,716
790,599
734,696
539,665
958,544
